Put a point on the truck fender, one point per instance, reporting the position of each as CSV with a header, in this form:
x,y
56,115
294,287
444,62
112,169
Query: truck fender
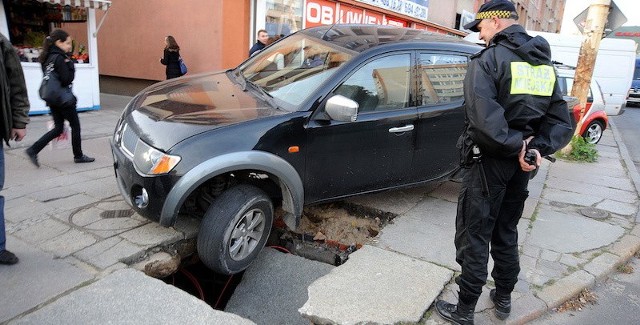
x,y
289,181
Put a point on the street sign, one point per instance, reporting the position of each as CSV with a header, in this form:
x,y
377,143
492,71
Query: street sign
x,y
615,19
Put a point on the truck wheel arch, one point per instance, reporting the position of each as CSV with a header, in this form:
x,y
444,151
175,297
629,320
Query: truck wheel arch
x,y
288,179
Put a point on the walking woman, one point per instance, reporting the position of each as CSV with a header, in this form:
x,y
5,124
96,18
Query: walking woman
x,y
171,57
54,50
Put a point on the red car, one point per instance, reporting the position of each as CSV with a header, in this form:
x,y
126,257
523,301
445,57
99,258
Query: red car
x,y
595,119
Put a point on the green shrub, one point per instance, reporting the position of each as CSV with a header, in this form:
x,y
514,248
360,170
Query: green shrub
x,y
580,150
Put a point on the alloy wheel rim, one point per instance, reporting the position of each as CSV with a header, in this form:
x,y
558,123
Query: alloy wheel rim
x,y
246,234
594,133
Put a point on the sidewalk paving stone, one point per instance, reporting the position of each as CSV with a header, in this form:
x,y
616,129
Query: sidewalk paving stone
x,y
602,265
618,207
109,252
152,234
375,286
129,297
38,278
566,233
565,288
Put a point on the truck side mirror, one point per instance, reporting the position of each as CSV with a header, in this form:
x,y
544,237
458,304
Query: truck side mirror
x,y
342,109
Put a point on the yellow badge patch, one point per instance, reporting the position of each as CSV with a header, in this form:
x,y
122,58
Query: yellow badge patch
x,y
532,80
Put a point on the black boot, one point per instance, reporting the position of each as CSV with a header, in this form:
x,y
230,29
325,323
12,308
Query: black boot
x,y
502,303
460,314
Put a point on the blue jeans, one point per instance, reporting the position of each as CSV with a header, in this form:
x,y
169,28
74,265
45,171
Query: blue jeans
x,y
3,237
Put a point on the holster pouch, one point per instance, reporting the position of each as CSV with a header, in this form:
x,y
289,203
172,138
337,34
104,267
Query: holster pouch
x,y
465,144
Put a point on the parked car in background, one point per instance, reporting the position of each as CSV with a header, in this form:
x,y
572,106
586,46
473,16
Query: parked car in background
x,y
633,98
322,114
595,119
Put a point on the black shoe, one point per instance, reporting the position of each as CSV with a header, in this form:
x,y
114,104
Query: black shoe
x,y
83,159
33,156
8,258
456,314
502,303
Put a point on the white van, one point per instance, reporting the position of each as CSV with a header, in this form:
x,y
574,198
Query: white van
x,y
614,68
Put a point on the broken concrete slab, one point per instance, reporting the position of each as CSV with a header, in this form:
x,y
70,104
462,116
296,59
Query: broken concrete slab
x,y
129,297
426,232
274,287
375,286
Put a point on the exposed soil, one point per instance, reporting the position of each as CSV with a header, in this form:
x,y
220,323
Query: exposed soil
x,y
333,222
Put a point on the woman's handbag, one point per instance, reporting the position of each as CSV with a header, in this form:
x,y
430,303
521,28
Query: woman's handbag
x,y
52,92
183,67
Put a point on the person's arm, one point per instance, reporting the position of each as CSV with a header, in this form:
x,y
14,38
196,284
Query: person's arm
x,y
17,92
555,130
165,59
65,69
488,127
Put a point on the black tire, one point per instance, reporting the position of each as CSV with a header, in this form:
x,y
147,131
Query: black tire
x,y
593,132
224,243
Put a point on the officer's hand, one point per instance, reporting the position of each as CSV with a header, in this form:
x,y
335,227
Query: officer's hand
x,y
524,165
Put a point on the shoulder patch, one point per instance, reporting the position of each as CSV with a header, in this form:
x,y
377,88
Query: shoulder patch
x,y
532,80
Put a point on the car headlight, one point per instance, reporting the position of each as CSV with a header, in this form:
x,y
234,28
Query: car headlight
x,y
151,161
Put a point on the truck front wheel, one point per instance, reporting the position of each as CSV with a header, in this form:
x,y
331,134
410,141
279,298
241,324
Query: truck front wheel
x,y
234,229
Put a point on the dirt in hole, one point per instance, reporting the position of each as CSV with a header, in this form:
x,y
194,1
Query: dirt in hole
x,y
336,222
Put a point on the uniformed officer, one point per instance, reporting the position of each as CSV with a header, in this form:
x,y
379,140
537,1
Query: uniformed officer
x,y
513,106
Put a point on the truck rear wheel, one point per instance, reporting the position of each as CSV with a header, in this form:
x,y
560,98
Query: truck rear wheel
x,y
234,229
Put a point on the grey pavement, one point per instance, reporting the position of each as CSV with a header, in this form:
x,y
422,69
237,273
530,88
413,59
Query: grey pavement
x,y
80,244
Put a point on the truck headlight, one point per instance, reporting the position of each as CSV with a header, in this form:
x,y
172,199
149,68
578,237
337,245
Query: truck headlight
x,y
151,161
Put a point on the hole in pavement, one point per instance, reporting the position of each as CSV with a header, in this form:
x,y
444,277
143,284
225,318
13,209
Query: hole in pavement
x,y
213,288
110,214
327,233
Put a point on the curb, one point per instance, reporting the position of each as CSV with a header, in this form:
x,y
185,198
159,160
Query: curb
x,y
599,268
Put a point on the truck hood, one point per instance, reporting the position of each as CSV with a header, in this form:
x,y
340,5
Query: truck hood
x,y
176,109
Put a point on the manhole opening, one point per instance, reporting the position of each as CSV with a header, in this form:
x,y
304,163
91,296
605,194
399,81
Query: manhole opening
x,y
110,214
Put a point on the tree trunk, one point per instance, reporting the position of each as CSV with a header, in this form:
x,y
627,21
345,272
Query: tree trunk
x,y
593,32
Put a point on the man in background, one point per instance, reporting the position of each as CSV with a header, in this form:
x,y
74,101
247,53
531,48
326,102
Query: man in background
x,y
263,37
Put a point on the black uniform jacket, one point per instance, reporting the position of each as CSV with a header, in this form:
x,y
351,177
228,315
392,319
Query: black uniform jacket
x,y
511,93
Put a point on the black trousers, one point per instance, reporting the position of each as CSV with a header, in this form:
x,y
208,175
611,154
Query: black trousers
x,y
59,115
489,220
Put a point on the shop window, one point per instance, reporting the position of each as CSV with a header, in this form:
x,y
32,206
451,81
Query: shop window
x,y
283,17
30,21
441,78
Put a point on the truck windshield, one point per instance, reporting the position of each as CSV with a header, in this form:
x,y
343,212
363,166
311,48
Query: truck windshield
x,y
291,69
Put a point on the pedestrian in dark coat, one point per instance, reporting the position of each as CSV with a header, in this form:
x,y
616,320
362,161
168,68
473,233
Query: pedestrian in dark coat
x,y
261,43
513,108
55,51
14,115
171,58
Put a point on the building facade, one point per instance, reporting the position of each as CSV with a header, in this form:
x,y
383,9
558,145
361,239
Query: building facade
x,y
217,34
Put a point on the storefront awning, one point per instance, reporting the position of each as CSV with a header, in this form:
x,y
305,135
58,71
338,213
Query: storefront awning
x,y
93,4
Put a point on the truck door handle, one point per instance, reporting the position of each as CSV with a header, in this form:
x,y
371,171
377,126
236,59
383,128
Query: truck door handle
x,y
402,129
